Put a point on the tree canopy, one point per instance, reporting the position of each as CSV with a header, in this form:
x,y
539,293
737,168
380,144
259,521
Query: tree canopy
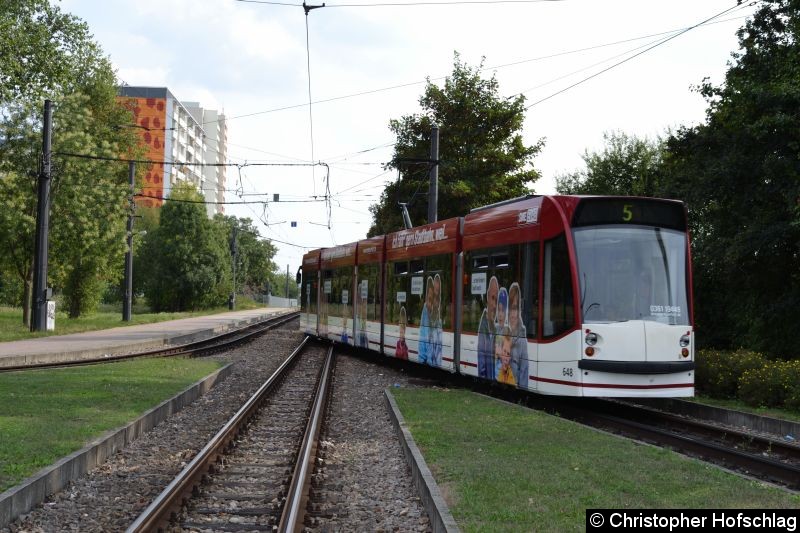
x,y
739,173
49,54
482,156
254,264
187,259
45,52
628,165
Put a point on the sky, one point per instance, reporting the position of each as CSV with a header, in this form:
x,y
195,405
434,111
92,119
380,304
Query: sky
x,y
367,64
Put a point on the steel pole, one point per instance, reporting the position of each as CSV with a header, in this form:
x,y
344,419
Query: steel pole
x,y
433,187
39,314
127,296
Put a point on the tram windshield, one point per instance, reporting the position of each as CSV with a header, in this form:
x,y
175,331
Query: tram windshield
x,y
632,273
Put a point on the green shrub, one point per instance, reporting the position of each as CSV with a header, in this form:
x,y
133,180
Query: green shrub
x,y
793,376
718,372
763,387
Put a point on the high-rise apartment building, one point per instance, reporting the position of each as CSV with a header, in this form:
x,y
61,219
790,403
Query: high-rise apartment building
x,y
215,143
181,138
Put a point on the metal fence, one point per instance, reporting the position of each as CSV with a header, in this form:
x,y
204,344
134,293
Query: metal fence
x,y
278,301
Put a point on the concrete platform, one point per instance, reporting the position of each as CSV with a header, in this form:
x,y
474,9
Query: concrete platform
x,y
127,339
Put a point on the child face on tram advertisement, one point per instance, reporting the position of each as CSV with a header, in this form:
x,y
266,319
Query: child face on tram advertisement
x,y
491,298
514,308
502,305
502,347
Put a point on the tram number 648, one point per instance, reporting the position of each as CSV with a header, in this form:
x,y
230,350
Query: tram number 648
x,y
566,371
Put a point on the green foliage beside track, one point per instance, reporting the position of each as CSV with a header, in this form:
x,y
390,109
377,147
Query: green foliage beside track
x,y
502,467
749,377
188,264
48,414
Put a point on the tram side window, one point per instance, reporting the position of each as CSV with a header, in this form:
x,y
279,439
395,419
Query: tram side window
x,y
344,291
397,287
513,271
333,296
559,314
407,287
530,289
368,277
441,267
325,298
308,295
311,294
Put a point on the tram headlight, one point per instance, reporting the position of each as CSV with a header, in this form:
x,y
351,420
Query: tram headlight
x,y
591,338
685,340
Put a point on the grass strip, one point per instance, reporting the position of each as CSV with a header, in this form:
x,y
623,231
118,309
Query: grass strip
x,y
502,467
48,414
12,328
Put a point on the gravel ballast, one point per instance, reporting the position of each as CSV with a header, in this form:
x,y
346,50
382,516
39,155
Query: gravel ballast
x,y
371,487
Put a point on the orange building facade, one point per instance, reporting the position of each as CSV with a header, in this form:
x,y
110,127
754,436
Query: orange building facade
x,y
150,115
184,141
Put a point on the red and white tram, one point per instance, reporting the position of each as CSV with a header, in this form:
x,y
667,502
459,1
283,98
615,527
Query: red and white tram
x,y
567,295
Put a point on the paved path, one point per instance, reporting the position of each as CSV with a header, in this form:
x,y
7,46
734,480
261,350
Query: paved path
x,y
126,339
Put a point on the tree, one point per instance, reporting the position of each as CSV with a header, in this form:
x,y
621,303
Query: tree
x,y
482,158
52,55
45,52
88,197
739,173
627,165
254,259
279,281
188,263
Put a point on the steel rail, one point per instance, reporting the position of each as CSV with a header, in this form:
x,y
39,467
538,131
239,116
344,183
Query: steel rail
x,y
637,422
297,495
751,440
160,510
188,349
777,471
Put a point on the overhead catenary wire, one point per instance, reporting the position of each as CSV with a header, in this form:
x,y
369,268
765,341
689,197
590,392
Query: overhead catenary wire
x,y
184,163
583,69
657,44
408,4
676,31
363,182
307,9
235,202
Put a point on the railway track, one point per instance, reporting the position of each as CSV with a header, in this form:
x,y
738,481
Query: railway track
x,y
759,456
253,475
754,454
223,341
